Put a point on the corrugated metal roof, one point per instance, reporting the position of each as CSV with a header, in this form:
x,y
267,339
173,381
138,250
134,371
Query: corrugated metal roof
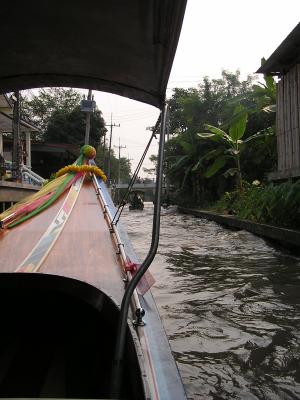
x,y
6,124
5,104
285,56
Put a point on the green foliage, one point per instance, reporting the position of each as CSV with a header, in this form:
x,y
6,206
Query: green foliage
x,y
225,104
238,126
266,204
56,111
231,144
183,167
215,167
151,171
191,108
39,108
260,98
265,93
125,165
69,127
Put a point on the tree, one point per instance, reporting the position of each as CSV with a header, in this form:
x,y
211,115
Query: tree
x,y
230,145
180,164
151,171
125,165
125,169
39,108
190,110
57,112
264,93
260,104
69,127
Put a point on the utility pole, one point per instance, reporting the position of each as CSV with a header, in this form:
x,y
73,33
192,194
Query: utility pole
x,y
109,149
119,167
88,121
17,146
104,153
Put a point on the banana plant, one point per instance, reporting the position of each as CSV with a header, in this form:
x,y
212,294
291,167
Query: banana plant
x,y
263,95
182,165
229,147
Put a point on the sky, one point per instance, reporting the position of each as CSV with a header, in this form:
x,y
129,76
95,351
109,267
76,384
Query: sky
x,y
216,35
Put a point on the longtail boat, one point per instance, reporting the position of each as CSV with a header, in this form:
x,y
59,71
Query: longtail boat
x,y
78,319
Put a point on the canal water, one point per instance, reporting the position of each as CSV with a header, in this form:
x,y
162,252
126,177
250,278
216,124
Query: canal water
x,y
230,304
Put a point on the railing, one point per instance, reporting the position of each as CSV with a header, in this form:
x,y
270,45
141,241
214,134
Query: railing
x,y
28,176
31,177
146,185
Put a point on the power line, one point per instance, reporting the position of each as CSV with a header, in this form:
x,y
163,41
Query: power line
x,y
129,114
135,117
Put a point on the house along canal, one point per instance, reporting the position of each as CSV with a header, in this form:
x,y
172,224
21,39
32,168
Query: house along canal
x,y
230,304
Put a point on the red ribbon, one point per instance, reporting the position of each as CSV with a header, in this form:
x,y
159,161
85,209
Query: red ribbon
x,y
131,267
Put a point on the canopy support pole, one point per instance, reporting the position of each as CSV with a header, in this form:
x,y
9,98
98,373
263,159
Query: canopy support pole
x,y
117,372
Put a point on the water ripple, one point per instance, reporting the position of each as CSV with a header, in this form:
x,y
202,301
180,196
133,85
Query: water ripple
x,y
230,304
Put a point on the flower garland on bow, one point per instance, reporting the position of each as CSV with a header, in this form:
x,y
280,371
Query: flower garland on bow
x,y
81,169
51,191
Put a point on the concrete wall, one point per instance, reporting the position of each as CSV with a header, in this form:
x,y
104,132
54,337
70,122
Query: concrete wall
x,y
11,192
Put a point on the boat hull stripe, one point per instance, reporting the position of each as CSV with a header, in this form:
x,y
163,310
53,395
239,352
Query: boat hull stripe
x,y
38,254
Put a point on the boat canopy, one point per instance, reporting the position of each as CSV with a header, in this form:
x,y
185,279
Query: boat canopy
x,y
124,47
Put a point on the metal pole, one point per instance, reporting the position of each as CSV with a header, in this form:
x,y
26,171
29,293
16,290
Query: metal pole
x,y
122,327
109,149
104,151
119,164
88,122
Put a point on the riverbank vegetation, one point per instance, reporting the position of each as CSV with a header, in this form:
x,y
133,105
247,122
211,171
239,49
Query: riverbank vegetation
x,y
267,204
224,139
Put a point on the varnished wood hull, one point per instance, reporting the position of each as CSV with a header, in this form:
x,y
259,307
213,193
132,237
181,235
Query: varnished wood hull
x,y
84,249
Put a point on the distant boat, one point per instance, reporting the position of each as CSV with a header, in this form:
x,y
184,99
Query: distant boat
x,y
136,200
78,319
